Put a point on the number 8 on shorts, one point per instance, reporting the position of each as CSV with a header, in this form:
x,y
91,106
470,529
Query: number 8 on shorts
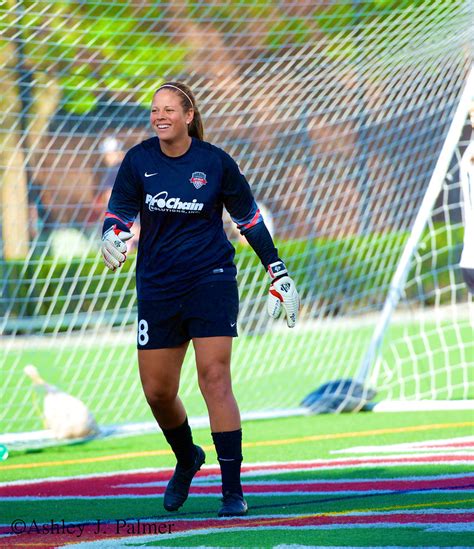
x,y
143,336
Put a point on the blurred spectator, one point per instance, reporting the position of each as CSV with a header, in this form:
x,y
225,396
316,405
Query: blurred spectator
x,y
467,187
268,218
112,155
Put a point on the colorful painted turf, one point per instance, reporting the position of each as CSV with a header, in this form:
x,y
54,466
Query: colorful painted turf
x,y
126,508
408,484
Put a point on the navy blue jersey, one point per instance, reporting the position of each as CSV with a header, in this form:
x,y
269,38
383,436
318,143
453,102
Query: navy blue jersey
x,y
180,201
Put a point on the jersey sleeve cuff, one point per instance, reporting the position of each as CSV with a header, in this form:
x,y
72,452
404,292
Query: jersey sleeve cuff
x,y
277,270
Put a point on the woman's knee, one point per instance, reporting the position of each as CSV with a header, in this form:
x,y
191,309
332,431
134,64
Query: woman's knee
x,y
159,373
158,396
215,381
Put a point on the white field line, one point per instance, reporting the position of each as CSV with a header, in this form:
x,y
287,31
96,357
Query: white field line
x,y
319,464
284,516
247,475
268,468
122,542
276,493
422,405
203,481
441,445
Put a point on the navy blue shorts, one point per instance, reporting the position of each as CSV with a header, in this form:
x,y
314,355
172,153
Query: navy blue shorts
x,y
208,310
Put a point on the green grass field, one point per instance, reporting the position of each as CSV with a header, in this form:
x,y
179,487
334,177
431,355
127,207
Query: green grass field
x,y
104,373
304,437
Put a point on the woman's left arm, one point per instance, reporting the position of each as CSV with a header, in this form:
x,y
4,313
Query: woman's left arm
x,y
240,203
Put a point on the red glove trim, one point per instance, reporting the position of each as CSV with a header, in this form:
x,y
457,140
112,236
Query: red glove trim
x,y
275,293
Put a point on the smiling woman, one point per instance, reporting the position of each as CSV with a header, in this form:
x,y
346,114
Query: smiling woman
x,y
186,279
175,118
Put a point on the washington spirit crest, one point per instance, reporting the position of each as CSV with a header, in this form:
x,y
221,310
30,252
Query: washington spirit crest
x,y
198,179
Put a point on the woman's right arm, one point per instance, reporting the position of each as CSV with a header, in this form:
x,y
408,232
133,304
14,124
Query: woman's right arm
x,y
123,207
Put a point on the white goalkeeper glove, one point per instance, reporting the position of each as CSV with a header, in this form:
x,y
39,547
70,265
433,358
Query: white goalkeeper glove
x,y
114,249
282,292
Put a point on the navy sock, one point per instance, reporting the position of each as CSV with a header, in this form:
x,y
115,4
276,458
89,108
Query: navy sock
x,y
229,453
181,441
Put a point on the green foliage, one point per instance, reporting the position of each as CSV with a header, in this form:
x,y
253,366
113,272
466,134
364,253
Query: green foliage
x,y
354,273
91,49
401,4
78,91
68,288
289,32
118,47
341,274
378,27
336,17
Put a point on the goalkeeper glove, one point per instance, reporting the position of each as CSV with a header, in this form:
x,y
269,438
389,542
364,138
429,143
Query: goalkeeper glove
x,y
282,292
114,249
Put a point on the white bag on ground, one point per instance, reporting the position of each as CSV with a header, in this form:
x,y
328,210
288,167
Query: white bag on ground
x,y
66,416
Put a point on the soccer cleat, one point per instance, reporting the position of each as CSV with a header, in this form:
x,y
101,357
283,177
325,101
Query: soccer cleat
x,y
233,505
177,491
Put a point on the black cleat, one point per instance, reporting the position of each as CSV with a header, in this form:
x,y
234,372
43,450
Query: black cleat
x,y
177,491
233,505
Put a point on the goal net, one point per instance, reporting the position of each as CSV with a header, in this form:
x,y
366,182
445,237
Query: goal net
x,y
429,350
336,111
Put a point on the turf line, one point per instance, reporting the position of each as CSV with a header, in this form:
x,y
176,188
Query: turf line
x,y
278,442
246,522
269,521
344,498
374,432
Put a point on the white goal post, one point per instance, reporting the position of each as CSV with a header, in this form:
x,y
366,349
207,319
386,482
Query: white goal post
x,y
433,191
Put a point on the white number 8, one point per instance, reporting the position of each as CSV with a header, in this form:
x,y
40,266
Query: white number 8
x,y
143,337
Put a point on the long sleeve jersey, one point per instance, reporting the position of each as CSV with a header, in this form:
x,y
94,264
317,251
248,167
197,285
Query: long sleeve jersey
x,y
180,200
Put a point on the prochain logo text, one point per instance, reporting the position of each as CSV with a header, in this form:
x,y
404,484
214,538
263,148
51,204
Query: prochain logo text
x,y
161,202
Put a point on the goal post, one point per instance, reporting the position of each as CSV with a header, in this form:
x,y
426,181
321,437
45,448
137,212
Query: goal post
x,y
356,393
342,115
448,153
427,364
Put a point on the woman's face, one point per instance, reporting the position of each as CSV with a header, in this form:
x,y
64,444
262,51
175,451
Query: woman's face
x,y
167,117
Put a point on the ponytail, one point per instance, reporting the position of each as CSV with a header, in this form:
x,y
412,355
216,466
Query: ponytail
x,y
196,128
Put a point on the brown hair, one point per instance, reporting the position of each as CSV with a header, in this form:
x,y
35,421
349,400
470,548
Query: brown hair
x,y
195,128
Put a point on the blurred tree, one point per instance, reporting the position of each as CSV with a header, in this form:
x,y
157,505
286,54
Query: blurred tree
x,y
73,55
70,55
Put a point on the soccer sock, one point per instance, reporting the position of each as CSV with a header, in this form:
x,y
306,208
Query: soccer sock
x,y
181,441
229,453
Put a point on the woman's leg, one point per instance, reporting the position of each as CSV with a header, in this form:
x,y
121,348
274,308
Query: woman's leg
x,y
213,365
159,373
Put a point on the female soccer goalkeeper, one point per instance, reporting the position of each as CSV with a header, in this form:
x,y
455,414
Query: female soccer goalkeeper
x,y
186,279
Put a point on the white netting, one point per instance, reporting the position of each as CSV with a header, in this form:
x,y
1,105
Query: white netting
x,y
335,110
429,350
